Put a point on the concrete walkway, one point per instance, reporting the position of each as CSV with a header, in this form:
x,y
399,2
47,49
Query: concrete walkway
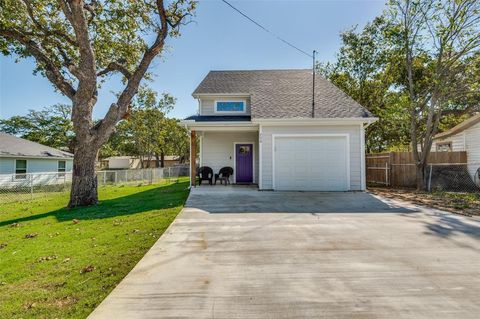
x,y
240,253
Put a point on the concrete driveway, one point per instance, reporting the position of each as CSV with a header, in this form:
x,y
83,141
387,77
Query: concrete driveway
x,y
241,253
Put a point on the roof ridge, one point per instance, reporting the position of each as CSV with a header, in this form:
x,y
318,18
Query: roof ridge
x,y
259,70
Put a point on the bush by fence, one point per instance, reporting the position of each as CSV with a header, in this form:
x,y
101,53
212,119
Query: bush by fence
x,y
18,187
448,171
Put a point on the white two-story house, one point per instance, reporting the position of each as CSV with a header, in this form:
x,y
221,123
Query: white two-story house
x,y
267,126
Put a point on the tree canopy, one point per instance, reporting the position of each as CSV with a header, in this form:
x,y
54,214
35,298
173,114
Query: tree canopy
x,y
52,126
77,45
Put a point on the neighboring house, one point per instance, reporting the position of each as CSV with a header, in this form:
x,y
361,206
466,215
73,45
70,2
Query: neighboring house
x,y
262,124
463,137
132,162
20,157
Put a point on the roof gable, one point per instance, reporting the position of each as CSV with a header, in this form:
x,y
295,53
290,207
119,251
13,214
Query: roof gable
x,y
283,93
460,127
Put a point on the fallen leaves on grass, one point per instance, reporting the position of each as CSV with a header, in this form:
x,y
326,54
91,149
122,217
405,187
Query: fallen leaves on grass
x,y
75,221
46,258
88,268
66,301
30,305
3,245
15,225
458,203
32,235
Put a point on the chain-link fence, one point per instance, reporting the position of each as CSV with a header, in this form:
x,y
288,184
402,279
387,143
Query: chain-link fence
x,y
19,187
454,177
447,177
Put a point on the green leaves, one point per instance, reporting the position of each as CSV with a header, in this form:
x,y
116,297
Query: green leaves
x,y
51,126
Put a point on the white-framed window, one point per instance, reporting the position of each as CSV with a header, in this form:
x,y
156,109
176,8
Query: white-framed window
x,y
20,169
444,147
62,167
230,106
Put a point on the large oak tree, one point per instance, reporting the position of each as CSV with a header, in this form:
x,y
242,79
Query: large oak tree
x,y
77,45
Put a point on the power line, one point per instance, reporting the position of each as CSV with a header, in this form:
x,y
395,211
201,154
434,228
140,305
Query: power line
x,y
266,30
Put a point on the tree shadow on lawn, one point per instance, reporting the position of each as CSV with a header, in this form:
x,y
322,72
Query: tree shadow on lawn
x,y
162,197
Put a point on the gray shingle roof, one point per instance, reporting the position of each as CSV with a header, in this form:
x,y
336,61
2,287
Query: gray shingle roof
x,y
284,93
14,146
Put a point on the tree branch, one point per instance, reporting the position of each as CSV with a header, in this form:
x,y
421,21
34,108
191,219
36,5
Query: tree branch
x,y
119,109
42,28
115,66
51,70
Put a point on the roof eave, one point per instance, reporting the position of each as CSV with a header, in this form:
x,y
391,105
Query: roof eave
x,y
199,95
36,157
334,120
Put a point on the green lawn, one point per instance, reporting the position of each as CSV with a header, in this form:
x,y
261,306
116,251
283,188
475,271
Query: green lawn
x,y
61,263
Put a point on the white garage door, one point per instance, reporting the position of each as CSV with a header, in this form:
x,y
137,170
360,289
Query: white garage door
x,y
311,163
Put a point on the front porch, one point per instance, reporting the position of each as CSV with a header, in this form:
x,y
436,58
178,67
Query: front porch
x,y
226,148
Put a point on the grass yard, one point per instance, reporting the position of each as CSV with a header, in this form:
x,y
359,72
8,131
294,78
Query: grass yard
x,y
61,263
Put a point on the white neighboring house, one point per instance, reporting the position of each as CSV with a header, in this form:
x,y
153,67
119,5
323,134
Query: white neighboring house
x,y
262,124
25,162
463,137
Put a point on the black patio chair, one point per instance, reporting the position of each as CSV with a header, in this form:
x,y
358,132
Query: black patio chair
x,y
205,173
224,175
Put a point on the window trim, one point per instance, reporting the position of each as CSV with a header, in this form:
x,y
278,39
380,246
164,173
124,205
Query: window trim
x,y
244,102
439,144
21,175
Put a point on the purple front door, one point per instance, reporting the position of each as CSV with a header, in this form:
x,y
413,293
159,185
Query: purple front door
x,y
244,163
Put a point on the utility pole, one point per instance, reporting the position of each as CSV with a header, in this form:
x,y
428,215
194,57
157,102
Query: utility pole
x,y
313,86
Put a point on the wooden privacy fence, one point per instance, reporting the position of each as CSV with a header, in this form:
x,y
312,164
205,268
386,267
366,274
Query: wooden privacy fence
x,y
398,168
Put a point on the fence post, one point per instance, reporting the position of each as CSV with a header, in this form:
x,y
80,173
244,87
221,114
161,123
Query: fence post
x,y
386,173
104,177
115,177
31,186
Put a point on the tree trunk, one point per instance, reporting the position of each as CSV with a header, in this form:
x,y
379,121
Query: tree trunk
x,y
162,160
420,177
84,179
157,160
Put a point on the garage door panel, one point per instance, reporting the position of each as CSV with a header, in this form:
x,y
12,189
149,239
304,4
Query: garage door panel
x,y
311,163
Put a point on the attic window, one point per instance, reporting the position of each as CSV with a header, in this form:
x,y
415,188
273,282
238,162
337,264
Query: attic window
x,y
229,106
444,147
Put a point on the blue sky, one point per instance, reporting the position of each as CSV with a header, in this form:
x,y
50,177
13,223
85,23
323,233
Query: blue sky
x,y
219,39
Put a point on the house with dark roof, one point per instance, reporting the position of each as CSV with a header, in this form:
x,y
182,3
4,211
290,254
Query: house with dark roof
x,y
462,137
279,131
20,157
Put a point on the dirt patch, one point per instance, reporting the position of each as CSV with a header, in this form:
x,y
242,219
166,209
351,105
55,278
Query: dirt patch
x,y
459,203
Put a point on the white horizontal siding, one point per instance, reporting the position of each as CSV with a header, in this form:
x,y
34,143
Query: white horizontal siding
x,y
207,105
457,140
217,149
355,149
472,141
7,165
34,165
469,141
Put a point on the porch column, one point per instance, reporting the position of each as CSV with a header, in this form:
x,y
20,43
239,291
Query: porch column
x,y
193,155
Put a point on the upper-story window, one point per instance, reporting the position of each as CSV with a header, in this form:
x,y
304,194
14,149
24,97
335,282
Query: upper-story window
x,y
229,106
